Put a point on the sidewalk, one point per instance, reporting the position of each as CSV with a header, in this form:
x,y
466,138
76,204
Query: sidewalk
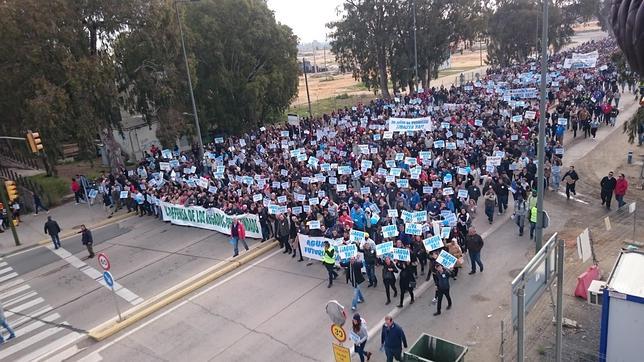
x,y
69,216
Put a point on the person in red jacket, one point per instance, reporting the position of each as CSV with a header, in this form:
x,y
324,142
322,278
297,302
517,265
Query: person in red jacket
x,y
237,234
76,189
620,190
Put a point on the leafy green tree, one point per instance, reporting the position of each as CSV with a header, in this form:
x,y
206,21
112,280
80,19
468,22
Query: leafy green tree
x,y
245,63
516,24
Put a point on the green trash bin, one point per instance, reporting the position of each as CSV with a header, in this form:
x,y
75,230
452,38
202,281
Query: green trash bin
x,y
433,349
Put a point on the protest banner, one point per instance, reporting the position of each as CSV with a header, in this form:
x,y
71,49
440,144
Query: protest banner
x,y
196,216
384,248
401,254
446,259
409,124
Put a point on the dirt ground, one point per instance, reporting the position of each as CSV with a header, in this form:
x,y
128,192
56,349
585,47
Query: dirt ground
x,y
582,344
323,85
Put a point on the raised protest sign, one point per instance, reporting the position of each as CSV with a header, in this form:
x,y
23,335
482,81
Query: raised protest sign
x,y
401,254
433,243
409,124
196,216
413,229
347,251
446,259
384,248
356,235
389,231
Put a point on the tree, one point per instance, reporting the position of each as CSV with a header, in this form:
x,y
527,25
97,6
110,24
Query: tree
x,y
516,24
361,38
245,63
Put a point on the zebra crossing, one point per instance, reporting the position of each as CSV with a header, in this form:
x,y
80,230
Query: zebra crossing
x,y
39,330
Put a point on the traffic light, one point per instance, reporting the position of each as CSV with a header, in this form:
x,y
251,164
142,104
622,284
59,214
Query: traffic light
x,y
12,190
35,144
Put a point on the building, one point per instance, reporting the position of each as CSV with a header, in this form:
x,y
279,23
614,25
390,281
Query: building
x,y
622,320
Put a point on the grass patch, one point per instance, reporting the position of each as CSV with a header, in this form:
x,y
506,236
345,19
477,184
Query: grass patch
x,y
55,188
328,105
446,72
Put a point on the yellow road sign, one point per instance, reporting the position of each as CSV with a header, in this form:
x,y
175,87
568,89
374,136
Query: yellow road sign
x,y
341,353
338,333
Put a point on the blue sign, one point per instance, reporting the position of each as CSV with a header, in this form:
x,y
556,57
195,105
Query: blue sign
x,y
109,280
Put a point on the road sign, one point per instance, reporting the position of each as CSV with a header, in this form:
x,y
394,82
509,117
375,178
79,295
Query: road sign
x,y
109,280
338,333
103,261
341,353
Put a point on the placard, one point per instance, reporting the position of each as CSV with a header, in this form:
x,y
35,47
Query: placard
x,y
446,259
389,231
433,243
413,229
401,254
384,248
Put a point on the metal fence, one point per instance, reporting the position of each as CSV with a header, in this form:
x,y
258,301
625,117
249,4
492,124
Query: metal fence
x,y
19,154
26,186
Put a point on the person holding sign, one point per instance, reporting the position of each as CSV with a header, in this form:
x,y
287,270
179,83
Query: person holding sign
x,y
354,276
455,249
359,335
442,288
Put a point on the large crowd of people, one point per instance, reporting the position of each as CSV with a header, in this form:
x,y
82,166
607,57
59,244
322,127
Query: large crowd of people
x,y
348,171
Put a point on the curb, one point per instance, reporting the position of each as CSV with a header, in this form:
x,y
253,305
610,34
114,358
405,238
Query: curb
x,y
156,303
68,234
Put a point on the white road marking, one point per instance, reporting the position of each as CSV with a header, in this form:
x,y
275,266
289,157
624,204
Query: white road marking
x,y
51,347
36,314
68,353
21,344
574,198
19,299
95,355
22,307
11,284
5,270
35,325
21,288
8,277
91,272
2,263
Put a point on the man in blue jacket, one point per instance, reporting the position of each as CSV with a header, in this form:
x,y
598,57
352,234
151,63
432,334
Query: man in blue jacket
x,y
392,339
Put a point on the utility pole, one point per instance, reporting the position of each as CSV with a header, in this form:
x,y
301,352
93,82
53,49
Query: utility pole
x,y
192,95
415,47
542,128
326,39
481,50
306,82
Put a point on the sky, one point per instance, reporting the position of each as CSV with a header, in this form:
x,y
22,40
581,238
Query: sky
x,y
307,18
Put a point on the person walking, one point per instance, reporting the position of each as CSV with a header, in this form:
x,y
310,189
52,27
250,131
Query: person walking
x,y
369,255
76,189
570,179
532,215
620,190
53,229
392,340
442,287
389,271
87,240
359,336
5,325
490,203
474,244
502,193
455,249
607,184
407,282
354,275
237,234
38,204
328,260
520,211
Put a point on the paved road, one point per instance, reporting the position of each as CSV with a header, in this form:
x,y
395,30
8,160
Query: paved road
x,y
55,296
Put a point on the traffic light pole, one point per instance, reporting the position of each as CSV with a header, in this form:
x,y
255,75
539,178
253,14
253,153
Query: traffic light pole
x,y
5,202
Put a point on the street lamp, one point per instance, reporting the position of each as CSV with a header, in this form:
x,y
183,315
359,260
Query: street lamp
x,y
185,58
